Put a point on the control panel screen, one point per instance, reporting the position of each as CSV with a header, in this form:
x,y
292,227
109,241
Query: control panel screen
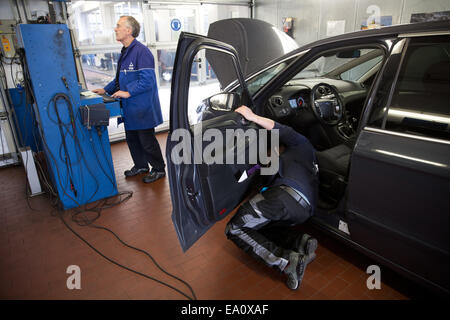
x,y
293,103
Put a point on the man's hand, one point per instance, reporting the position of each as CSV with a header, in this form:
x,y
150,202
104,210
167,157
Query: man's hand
x,y
246,112
99,91
121,94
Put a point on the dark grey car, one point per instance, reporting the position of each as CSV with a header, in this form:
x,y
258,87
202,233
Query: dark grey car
x,y
376,106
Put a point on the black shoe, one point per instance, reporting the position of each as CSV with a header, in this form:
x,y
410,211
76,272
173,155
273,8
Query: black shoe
x,y
307,246
295,270
153,176
134,171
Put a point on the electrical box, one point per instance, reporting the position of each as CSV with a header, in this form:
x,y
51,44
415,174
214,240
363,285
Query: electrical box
x,y
288,26
94,115
8,38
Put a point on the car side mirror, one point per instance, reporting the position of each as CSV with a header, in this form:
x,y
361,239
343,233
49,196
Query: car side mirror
x,y
224,101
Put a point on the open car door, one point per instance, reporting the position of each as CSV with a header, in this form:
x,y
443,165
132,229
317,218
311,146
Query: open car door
x,y
203,192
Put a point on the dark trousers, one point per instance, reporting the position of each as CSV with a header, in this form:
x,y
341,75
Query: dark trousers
x,y
261,226
144,149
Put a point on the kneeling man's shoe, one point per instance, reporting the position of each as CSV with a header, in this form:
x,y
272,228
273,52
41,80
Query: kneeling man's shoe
x,y
153,176
306,245
295,270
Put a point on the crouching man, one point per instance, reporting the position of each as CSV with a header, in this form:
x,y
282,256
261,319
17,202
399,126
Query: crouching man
x,y
289,198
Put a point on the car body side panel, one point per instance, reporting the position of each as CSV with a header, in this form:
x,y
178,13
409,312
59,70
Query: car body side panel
x,y
395,207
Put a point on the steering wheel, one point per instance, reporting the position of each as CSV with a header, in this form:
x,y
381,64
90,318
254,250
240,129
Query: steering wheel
x,y
326,104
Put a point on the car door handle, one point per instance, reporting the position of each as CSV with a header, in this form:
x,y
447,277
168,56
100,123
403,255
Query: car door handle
x,y
191,193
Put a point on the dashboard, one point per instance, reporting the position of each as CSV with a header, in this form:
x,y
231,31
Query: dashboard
x,y
292,102
289,101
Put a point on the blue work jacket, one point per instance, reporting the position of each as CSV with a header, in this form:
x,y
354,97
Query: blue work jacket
x,y
298,164
142,110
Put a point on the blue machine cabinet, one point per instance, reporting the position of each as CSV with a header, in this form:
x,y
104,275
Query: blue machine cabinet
x,y
79,159
24,124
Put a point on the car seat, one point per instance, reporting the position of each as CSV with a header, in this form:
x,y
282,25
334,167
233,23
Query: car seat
x,y
333,173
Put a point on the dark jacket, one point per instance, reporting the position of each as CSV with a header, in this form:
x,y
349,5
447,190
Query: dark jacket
x,y
298,164
142,110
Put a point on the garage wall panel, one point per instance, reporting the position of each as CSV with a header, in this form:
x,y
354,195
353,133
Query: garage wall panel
x,y
266,10
387,8
307,13
336,11
315,19
420,6
5,10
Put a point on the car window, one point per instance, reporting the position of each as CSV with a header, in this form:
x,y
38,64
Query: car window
x,y
342,61
204,96
420,103
322,66
258,81
384,85
355,73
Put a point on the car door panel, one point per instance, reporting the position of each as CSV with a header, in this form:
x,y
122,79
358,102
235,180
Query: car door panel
x,y
399,179
399,185
202,193
393,199
220,182
206,193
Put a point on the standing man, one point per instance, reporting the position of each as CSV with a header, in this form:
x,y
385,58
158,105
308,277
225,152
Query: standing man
x,y
289,198
135,84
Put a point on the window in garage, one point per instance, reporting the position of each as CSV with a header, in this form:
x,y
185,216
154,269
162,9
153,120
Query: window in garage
x,y
93,23
163,39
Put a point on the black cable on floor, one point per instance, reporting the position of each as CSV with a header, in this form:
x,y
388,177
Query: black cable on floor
x,y
89,222
125,267
82,210
147,254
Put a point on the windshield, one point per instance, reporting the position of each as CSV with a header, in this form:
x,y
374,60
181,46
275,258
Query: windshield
x,y
345,64
261,79
349,65
356,73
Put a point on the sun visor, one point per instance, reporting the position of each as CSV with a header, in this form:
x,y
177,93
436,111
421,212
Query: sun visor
x,y
257,42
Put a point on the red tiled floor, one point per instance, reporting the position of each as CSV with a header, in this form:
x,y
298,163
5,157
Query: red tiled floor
x,y
36,249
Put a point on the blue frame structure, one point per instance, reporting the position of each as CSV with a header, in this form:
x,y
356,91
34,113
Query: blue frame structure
x,y
79,159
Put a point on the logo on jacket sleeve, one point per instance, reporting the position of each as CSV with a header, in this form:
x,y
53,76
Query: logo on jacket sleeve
x,y
131,66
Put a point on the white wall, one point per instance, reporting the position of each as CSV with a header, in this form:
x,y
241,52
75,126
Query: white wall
x,y
6,10
311,16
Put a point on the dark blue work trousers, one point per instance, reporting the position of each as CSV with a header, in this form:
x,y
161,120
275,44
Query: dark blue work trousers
x,y
261,226
144,149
